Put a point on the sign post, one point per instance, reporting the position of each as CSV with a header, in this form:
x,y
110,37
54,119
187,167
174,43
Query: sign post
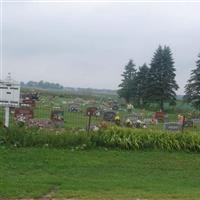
x,y
9,96
7,116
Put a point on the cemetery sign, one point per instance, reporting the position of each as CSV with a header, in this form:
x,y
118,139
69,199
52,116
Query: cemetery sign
x,y
9,96
9,93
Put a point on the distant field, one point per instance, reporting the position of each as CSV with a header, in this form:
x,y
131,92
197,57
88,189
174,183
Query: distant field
x,y
98,174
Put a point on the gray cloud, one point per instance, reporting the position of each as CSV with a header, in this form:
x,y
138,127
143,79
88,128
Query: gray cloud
x,y
87,45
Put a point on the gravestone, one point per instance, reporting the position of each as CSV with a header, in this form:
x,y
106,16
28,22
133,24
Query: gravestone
x,y
160,116
23,114
147,121
109,116
134,117
28,103
91,111
57,117
188,123
33,96
74,107
41,123
172,126
196,121
115,107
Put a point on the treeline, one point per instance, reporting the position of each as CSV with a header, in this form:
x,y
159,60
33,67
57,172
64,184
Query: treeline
x,y
42,85
156,83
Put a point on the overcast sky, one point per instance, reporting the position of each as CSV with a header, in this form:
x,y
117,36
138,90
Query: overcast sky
x,y
88,44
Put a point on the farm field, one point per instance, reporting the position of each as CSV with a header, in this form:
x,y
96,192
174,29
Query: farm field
x,y
98,174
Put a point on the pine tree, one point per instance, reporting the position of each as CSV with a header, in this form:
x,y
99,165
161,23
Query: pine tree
x,y
126,87
142,85
161,79
192,89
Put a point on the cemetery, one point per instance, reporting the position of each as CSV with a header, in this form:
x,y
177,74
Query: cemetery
x,y
103,102
34,108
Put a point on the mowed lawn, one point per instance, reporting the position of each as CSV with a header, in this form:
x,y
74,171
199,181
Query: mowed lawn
x,y
98,174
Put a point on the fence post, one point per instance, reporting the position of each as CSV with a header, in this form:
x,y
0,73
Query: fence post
x,y
89,123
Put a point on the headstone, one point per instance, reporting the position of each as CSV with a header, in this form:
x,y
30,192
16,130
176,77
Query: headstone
x,y
196,121
57,117
41,123
115,107
188,123
133,117
28,103
91,111
159,116
33,96
147,121
172,126
109,116
74,107
23,114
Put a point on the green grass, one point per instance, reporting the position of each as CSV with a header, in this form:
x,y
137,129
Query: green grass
x,y
98,174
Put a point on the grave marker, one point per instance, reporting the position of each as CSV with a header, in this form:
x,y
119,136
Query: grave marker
x,y
109,116
196,121
160,116
172,126
91,111
74,107
57,117
23,114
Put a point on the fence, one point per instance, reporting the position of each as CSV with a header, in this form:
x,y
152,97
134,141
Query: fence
x,y
73,119
77,119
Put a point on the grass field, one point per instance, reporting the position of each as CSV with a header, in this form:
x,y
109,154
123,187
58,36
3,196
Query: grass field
x,y
98,174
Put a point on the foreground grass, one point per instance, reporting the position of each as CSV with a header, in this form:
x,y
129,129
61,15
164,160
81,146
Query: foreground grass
x,y
98,174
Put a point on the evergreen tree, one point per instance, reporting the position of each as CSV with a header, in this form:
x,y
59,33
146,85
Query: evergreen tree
x,y
126,87
192,89
161,79
142,85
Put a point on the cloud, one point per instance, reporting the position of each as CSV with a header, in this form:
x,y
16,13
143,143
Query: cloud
x,y
87,45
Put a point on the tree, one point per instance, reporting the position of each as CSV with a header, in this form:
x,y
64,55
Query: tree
x,y
161,79
192,89
142,85
126,87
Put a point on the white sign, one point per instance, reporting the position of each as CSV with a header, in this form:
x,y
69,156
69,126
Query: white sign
x,y
9,93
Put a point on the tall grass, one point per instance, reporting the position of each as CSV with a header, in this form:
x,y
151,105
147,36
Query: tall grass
x,y
114,137
139,139
22,137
